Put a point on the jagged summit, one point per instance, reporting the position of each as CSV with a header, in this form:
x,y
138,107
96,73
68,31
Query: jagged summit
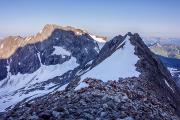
x,y
49,28
12,43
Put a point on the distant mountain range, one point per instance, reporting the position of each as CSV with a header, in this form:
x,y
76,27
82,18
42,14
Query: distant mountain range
x,y
173,41
167,50
68,73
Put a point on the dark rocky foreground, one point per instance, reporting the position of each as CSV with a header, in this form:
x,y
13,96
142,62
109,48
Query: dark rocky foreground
x,y
128,99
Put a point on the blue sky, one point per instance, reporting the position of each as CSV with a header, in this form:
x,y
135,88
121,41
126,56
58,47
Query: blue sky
x,y
104,17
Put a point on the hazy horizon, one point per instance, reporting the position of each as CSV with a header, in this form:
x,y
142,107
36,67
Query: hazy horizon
x,y
103,17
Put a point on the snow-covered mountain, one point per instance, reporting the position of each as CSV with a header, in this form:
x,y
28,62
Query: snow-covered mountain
x,y
12,43
69,68
37,68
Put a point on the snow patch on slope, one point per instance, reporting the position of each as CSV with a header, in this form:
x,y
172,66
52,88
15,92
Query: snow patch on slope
x,y
101,40
176,75
81,85
169,85
10,99
42,74
173,70
16,82
119,64
62,87
60,51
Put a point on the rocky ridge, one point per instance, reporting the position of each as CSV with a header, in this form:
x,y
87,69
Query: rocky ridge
x,y
122,100
152,95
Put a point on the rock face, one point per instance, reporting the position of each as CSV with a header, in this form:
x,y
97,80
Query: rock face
x,y
18,61
9,45
3,72
151,66
82,46
43,65
68,64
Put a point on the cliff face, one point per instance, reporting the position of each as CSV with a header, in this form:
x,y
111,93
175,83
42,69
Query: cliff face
x,y
35,67
10,44
80,46
151,66
123,79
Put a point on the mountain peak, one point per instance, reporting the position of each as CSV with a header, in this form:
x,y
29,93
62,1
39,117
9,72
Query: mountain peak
x,y
10,44
51,27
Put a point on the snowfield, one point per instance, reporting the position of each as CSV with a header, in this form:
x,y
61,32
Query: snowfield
x,y
60,51
28,81
120,64
10,98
